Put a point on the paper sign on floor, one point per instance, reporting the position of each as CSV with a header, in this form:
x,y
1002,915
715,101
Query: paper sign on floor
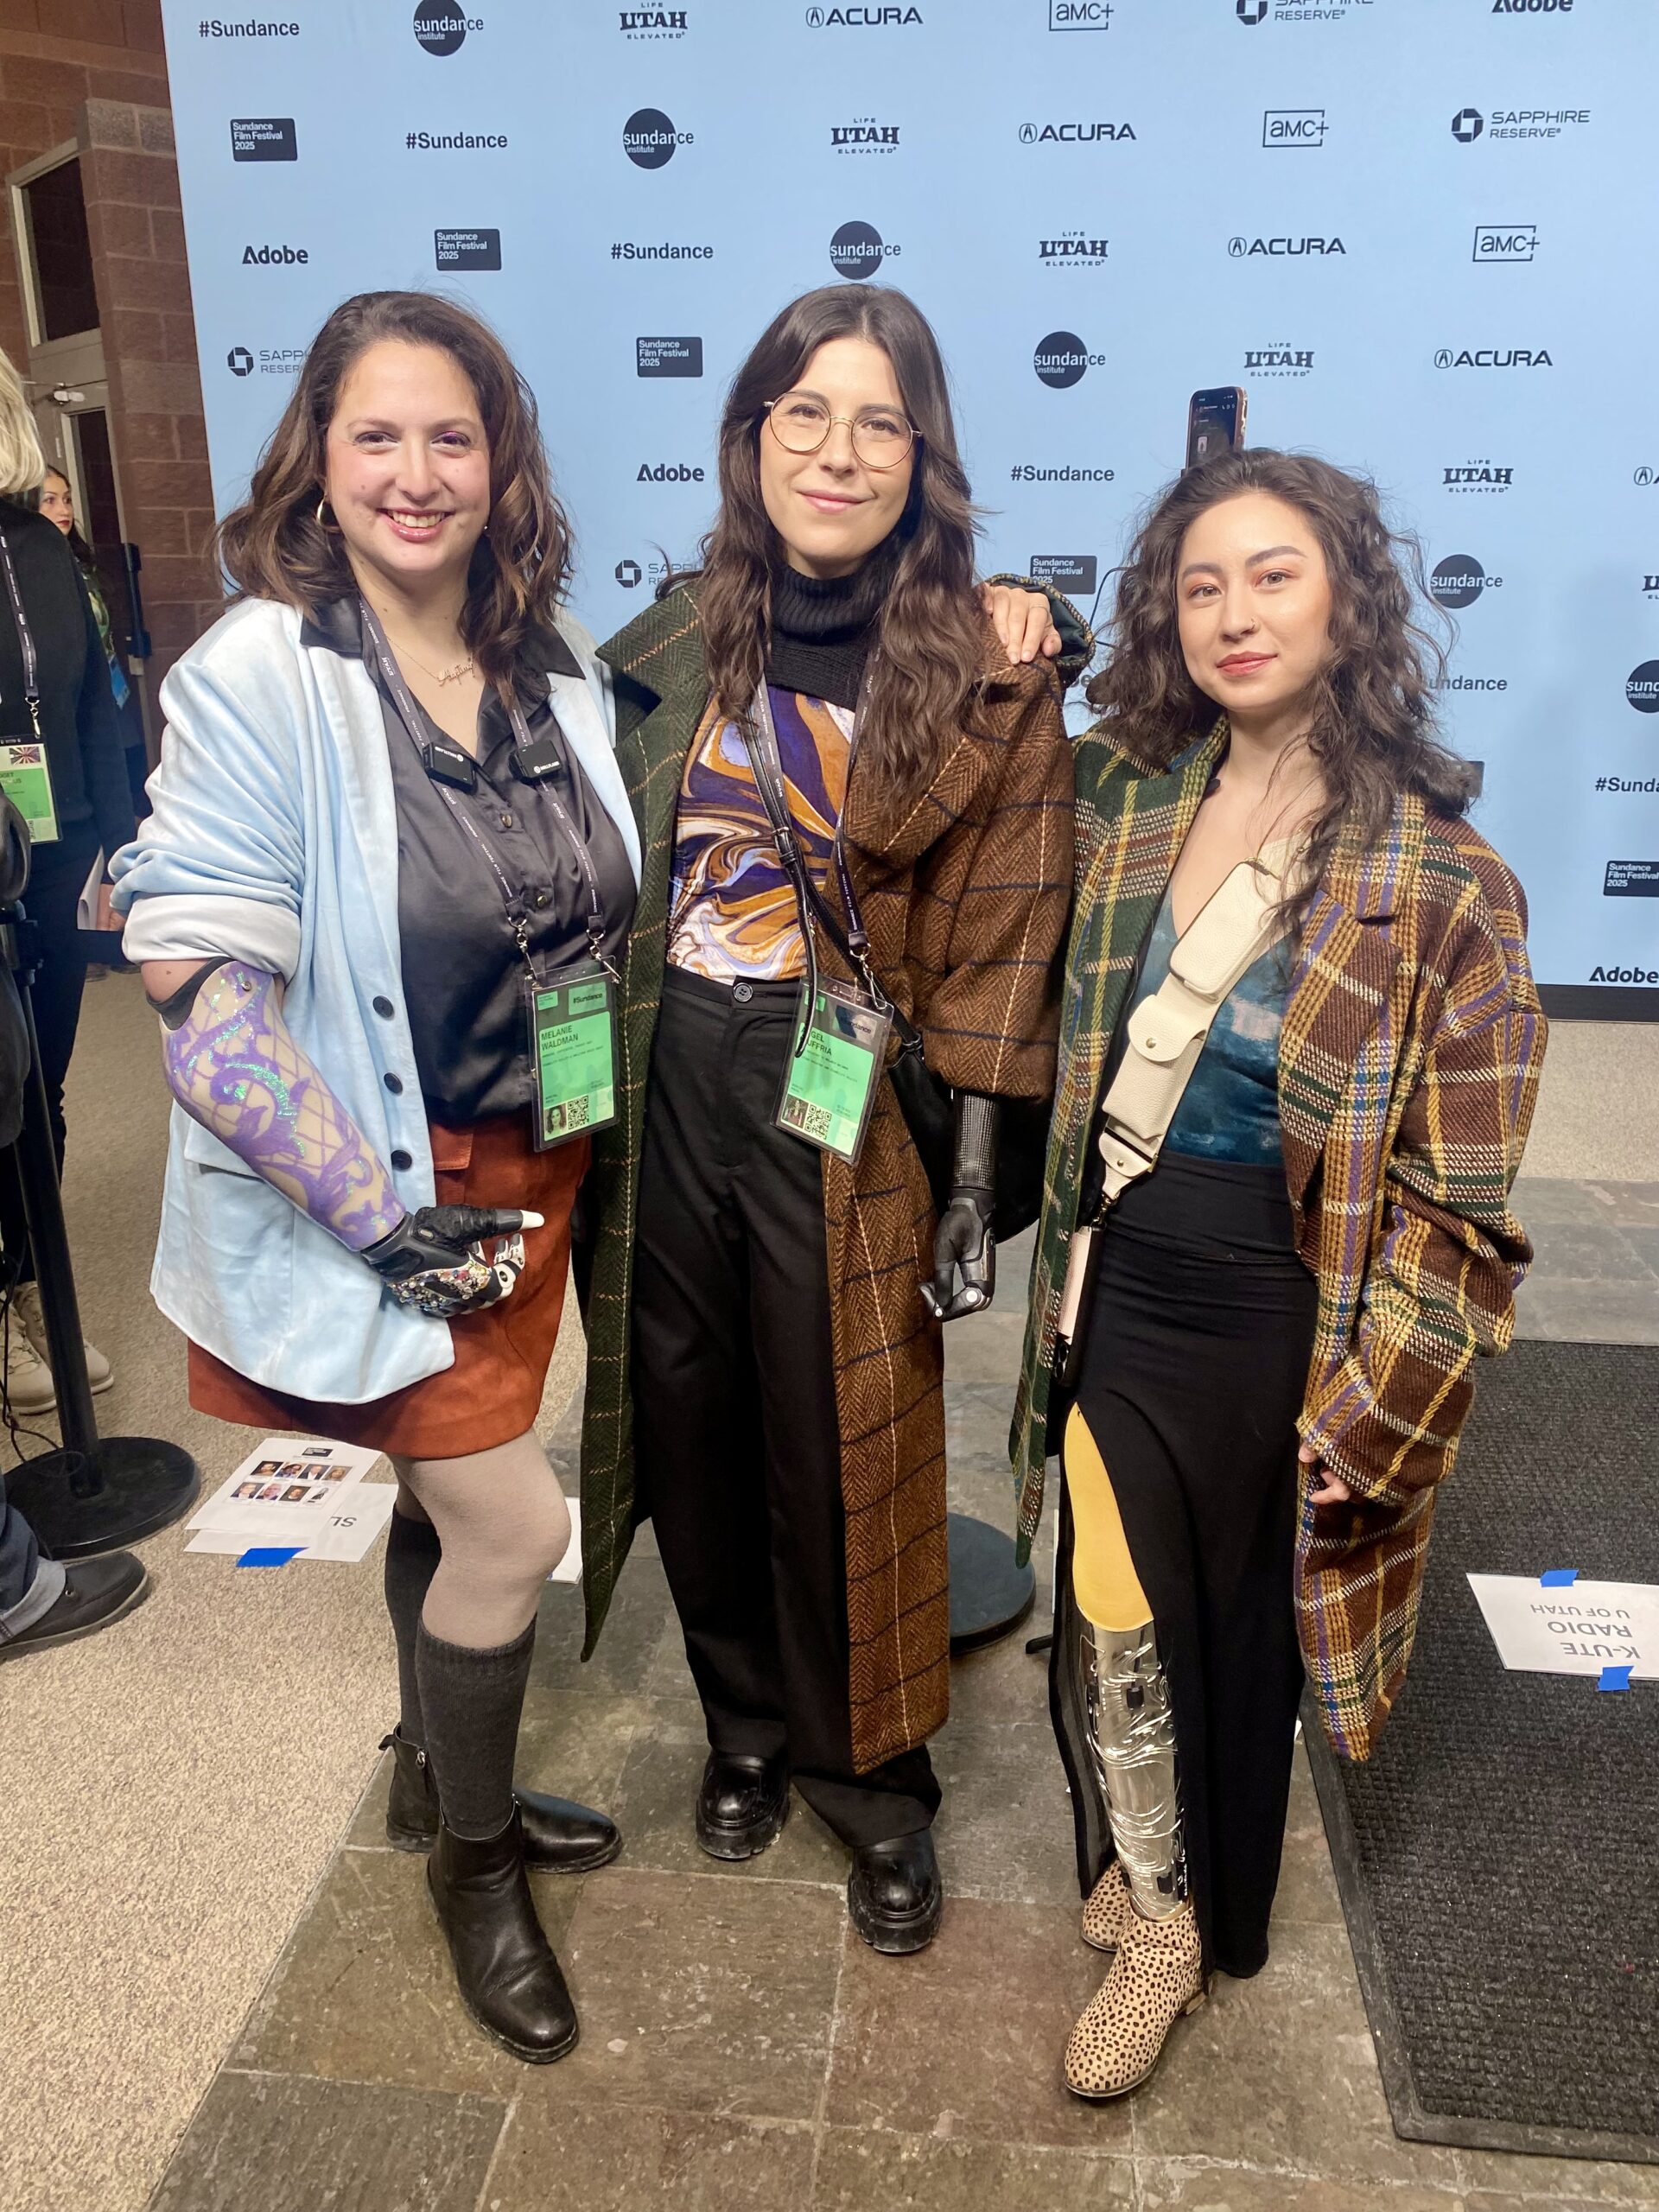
x,y
286,1491
1580,1629
367,1507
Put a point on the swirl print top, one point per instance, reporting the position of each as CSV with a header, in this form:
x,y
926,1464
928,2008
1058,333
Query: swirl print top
x,y
731,910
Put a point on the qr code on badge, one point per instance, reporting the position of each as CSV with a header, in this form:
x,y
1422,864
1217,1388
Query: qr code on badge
x,y
575,1113
812,1121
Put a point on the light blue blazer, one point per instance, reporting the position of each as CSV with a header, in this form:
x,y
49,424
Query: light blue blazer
x,y
274,840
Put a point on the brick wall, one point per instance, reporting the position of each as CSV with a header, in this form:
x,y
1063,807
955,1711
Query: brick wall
x,y
94,71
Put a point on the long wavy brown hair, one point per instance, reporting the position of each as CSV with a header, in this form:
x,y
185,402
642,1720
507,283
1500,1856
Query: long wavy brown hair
x,y
1371,715
924,672
274,547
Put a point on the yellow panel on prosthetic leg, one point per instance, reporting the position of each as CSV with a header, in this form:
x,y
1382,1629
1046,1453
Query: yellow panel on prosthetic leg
x,y
1103,1580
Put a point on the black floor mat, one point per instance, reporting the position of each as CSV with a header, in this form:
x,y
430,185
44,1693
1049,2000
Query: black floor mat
x,y
1498,1856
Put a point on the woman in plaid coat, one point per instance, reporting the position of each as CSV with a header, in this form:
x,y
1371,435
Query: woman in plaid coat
x,y
1270,1375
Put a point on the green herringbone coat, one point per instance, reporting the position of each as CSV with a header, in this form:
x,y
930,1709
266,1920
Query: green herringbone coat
x,y
965,892
1409,1066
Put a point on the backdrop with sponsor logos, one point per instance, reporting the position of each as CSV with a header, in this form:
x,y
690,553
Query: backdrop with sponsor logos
x,y
1412,230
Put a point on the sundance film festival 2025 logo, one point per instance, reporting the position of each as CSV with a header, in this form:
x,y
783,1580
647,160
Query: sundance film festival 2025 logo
x,y
1469,124
1244,249
1279,361
1459,579
1074,134
275,257
864,135
1630,880
1293,126
1477,476
668,357
649,138
467,248
263,138
441,28
1642,688
1073,249
269,361
862,19
247,27
1501,242
857,251
1067,572
1493,357
1062,358
1080,15
646,24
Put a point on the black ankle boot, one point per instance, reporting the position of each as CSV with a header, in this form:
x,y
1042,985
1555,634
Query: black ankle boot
x,y
742,1804
893,1895
510,1981
559,1837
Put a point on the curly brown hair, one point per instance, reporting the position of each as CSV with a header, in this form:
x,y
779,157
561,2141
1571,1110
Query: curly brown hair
x,y
924,675
1372,726
274,547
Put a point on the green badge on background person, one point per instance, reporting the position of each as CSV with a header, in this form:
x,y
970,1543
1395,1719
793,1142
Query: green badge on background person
x,y
27,782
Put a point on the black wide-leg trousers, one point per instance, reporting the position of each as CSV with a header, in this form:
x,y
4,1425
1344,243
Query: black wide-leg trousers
x,y
736,1442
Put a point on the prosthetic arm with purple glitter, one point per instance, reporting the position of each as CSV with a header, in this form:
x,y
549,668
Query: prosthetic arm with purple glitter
x,y
232,1065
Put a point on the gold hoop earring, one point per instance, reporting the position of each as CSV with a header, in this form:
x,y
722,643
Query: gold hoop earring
x,y
321,504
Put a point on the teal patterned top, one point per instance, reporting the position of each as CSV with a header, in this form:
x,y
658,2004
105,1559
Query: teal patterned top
x,y
1230,1109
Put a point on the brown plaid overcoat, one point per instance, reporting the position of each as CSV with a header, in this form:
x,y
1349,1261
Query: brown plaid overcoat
x,y
964,893
1408,1068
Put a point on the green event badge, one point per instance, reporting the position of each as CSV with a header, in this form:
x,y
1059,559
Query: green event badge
x,y
27,782
829,1083
573,1054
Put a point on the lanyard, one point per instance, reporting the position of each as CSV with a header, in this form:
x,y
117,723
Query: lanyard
x,y
759,736
410,715
31,691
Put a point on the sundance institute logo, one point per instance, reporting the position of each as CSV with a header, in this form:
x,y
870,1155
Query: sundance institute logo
x,y
857,251
1061,360
441,26
1459,581
649,138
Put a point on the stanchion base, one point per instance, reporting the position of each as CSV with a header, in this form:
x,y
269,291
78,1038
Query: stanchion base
x,y
125,1488
989,1595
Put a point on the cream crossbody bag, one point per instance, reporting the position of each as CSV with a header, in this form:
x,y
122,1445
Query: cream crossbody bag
x,y
1166,1033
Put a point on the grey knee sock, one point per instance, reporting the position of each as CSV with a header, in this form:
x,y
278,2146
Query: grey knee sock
x,y
412,1556
470,1702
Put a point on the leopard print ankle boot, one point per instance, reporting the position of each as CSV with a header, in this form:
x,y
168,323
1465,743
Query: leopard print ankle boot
x,y
1156,1976
1108,1910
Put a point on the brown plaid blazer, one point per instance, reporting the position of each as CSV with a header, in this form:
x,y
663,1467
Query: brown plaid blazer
x,y
1408,1068
964,893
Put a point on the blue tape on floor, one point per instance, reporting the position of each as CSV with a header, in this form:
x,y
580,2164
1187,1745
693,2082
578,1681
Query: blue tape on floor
x,y
270,1554
1614,1678
1558,1577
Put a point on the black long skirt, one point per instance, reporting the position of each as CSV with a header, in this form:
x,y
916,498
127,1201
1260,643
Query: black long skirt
x,y
1195,1362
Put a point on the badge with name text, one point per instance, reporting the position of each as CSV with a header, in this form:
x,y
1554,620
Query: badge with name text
x,y
27,782
829,1084
573,1054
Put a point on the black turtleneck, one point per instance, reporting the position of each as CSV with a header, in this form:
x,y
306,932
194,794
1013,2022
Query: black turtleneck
x,y
823,628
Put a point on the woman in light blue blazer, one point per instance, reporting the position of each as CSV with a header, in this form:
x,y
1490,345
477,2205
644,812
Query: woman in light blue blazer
x,y
380,904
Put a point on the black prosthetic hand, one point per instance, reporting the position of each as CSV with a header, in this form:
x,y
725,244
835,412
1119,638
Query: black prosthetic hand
x,y
435,1260
962,1243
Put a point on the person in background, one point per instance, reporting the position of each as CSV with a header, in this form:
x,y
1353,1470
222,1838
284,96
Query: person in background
x,y
387,825
42,1602
49,646
58,505
1267,1302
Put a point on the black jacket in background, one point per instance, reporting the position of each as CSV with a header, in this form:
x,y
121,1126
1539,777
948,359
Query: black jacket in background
x,y
14,1031
78,715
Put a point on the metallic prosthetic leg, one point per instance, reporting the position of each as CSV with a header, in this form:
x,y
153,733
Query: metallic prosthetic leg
x,y
1131,1725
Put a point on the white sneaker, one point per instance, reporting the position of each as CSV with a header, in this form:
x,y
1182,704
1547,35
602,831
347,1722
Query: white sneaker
x,y
29,1379
26,1307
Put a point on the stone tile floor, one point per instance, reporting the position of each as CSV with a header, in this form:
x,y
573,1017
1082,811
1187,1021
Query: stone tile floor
x,y
741,2047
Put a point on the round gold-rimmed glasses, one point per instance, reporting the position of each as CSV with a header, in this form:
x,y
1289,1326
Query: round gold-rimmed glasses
x,y
801,421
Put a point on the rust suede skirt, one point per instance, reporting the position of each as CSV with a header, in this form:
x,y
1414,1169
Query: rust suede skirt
x,y
494,1391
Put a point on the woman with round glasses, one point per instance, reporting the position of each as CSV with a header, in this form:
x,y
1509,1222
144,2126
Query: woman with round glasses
x,y
855,812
